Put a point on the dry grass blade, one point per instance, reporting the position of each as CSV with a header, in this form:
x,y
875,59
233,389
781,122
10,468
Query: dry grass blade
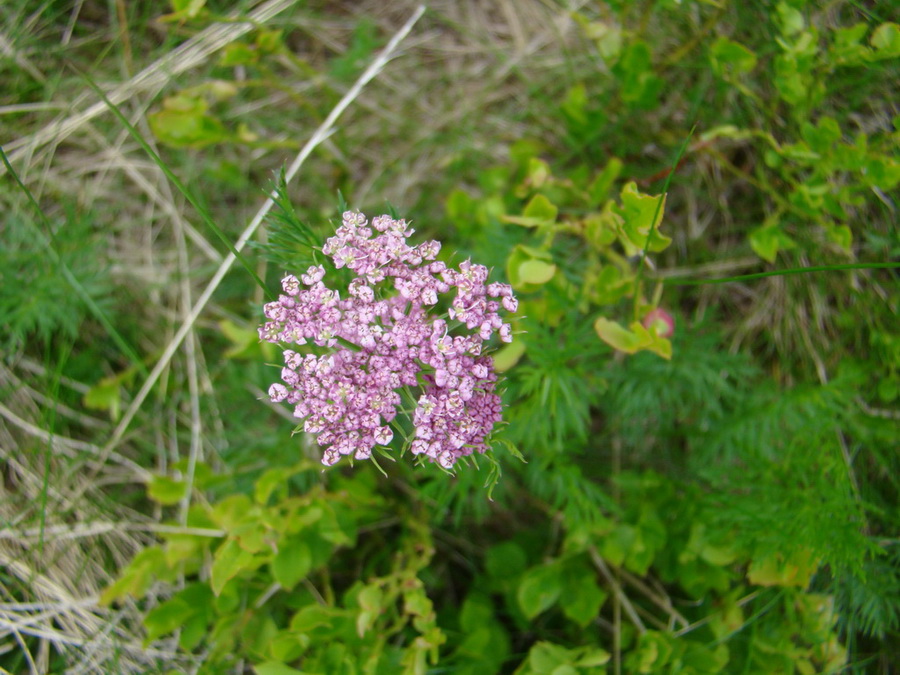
x,y
321,133
188,55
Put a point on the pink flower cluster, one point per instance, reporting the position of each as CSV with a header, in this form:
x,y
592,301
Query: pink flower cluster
x,y
383,338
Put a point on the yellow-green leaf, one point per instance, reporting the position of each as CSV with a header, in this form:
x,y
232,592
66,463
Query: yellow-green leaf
x,y
536,272
165,490
642,215
229,560
508,355
292,563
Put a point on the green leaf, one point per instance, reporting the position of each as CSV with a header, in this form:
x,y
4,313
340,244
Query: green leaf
x,y
581,597
539,589
229,560
169,616
642,216
886,40
311,617
795,569
292,563
193,631
185,9
767,240
275,668
539,212
546,657
135,579
105,395
729,57
508,355
273,481
841,235
617,336
166,491
536,272
184,122
592,657
518,259
791,19
600,186
505,561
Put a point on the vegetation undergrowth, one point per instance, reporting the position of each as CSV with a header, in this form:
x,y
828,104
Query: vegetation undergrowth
x,y
694,202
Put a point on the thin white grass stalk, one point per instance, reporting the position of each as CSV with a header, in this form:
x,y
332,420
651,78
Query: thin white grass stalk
x,y
190,348
32,666
70,446
96,528
132,171
184,57
600,564
45,401
324,130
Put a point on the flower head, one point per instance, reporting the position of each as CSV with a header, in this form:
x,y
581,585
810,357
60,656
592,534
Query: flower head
x,y
383,337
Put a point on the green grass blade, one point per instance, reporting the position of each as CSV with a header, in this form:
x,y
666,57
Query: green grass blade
x,y
780,273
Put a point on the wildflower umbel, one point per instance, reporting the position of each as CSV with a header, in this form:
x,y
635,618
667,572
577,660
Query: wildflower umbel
x,y
383,338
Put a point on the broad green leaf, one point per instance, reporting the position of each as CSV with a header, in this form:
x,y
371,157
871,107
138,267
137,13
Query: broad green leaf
x,y
166,491
546,657
776,570
539,211
538,173
536,272
371,597
273,481
633,339
592,657
792,21
821,137
477,611
617,336
505,561
841,235
275,668
229,561
508,355
193,631
581,597
270,41
231,511
886,40
184,122
574,105
145,568
642,216
312,617
516,265
238,54
729,57
460,208
767,240
539,589
292,563
287,646
105,395
654,649
607,37
183,10
169,616
600,186
847,47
